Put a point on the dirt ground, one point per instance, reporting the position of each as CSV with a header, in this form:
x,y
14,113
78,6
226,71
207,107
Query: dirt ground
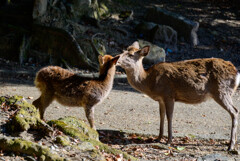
x,y
206,126
127,110
202,130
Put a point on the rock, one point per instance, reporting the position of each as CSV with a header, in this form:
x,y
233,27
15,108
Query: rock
x,y
76,137
167,35
184,27
214,157
157,54
27,147
86,146
39,8
88,137
144,30
92,48
159,34
63,140
126,15
82,127
25,117
80,7
61,46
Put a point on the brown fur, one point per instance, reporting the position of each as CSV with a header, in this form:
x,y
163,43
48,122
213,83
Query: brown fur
x,y
71,89
191,81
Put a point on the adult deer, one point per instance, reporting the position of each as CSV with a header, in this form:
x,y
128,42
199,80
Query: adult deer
x,y
191,81
71,89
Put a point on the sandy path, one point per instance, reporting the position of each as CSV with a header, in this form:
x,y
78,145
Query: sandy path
x,y
128,110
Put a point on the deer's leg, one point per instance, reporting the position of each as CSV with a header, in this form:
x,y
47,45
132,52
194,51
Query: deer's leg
x,y
89,110
169,106
43,102
162,112
226,102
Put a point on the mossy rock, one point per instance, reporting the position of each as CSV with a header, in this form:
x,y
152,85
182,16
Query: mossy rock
x,y
28,147
82,126
63,140
26,116
78,129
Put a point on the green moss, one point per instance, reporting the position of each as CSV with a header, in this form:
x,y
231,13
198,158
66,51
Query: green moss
x,y
2,100
63,140
73,127
26,117
103,10
82,127
67,129
107,149
28,147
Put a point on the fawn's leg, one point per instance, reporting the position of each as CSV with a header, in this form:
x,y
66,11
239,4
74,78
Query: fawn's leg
x,y
89,111
162,112
169,106
225,101
43,102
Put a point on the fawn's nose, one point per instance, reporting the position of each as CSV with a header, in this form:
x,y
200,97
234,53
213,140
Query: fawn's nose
x,y
119,60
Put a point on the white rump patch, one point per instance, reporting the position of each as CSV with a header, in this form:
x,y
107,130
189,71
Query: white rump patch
x,y
237,80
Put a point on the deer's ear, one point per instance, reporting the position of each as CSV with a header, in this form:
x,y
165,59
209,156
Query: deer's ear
x,y
144,51
115,59
135,45
100,59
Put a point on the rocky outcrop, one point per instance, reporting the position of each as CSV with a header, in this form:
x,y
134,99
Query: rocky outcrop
x,y
25,117
23,146
184,27
40,8
70,138
61,46
162,35
156,55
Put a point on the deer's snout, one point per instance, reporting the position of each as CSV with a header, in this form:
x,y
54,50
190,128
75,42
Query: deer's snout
x,y
119,60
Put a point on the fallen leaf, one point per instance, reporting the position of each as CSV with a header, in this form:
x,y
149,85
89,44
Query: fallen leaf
x,y
191,136
180,148
30,98
119,157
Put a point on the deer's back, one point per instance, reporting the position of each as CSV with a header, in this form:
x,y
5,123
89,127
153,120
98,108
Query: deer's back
x,y
62,81
193,80
70,88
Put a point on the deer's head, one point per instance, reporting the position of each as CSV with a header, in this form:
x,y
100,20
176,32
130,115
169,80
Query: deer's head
x,y
131,57
106,62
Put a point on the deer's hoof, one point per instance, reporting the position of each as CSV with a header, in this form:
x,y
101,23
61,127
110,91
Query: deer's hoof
x,y
233,151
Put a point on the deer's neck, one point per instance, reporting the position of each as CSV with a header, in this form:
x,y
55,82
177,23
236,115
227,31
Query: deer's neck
x,y
107,77
137,77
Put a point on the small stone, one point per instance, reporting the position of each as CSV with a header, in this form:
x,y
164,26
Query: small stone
x,y
213,157
29,158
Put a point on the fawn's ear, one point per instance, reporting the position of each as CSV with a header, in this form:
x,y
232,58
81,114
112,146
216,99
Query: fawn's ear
x,y
144,51
115,59
135,45
100,59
